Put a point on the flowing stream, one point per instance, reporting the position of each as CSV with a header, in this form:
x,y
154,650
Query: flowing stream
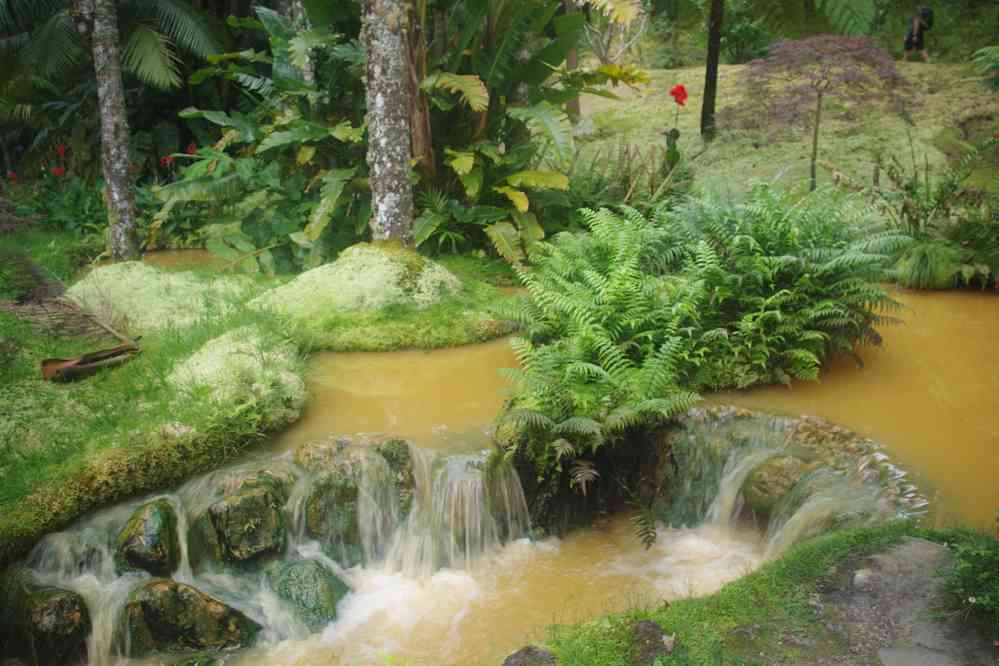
x,y
930,394
458,580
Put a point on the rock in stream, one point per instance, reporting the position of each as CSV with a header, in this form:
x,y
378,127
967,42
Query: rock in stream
x,y
149,540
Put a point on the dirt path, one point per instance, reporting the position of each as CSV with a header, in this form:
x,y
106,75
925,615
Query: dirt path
x,y
885,610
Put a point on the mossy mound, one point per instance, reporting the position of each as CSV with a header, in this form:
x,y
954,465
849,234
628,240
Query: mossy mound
x,y
239,365
139,298
366,276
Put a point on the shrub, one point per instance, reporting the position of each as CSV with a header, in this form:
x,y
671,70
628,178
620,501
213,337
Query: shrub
x,y
987,62
972,586
624,324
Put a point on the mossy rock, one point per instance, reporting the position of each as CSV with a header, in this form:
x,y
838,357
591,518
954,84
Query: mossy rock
x,y
311,589
279,481
648,643
149,541
42,625
243,527
366,276
530,656
331,517
331,505
167,616
769,483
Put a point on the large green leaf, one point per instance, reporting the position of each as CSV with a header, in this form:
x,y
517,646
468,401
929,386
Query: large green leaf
x,y
300,132
472,182
426,224
149,55
568,30
506,240
334,183
545,120
516,197
472,90
539,180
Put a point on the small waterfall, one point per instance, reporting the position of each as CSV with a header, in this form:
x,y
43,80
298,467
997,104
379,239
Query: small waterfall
x,y
819,502
460,510
726,505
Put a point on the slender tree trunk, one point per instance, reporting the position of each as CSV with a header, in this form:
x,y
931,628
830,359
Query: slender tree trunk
x,y
388,92
97,23
809,9
422,134
815,139
711,73
572,108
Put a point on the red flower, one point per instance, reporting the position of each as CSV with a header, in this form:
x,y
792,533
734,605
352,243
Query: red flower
x,y
12,177
679,94
61,149
57,171
192,148
166,161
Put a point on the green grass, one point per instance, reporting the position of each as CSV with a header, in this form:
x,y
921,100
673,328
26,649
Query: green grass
x,y
774,597
69,447
465,319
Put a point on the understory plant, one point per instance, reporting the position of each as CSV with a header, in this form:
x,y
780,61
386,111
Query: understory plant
x,y
623,325
955,229
972,585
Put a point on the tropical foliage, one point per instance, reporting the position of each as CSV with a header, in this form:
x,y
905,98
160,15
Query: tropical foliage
x,y
623,325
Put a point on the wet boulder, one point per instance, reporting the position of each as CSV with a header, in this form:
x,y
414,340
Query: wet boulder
x,y
530,656
311,589
339,467
769,483
277,479
149,540
42,625
244,526
330,517
167,616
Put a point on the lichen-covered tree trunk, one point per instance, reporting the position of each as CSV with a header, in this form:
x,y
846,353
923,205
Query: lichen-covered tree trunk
x,y
388,98
715,21
97,23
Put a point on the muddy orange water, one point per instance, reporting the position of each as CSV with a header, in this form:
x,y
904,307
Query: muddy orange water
x,y
444,399
477,617
930,394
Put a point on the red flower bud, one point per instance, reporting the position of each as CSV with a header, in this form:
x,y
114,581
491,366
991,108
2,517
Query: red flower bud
x,y
192,148
57,171
61,149
166,161
679,94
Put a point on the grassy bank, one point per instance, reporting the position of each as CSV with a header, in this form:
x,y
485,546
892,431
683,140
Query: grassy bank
x,y
773,600
68,448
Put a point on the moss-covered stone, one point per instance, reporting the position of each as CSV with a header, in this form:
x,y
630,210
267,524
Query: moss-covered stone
x,y
649,643
530,656
149,540
42,625
769,483
241,527
167,616
364,276
331,517
311,589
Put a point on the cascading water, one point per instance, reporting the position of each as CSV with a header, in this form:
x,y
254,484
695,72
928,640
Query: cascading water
x,y
435,557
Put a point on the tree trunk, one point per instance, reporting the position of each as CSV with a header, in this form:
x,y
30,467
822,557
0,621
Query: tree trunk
x,y
97,23
815,139
809,9
387,84
419,121
572,106
711,74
